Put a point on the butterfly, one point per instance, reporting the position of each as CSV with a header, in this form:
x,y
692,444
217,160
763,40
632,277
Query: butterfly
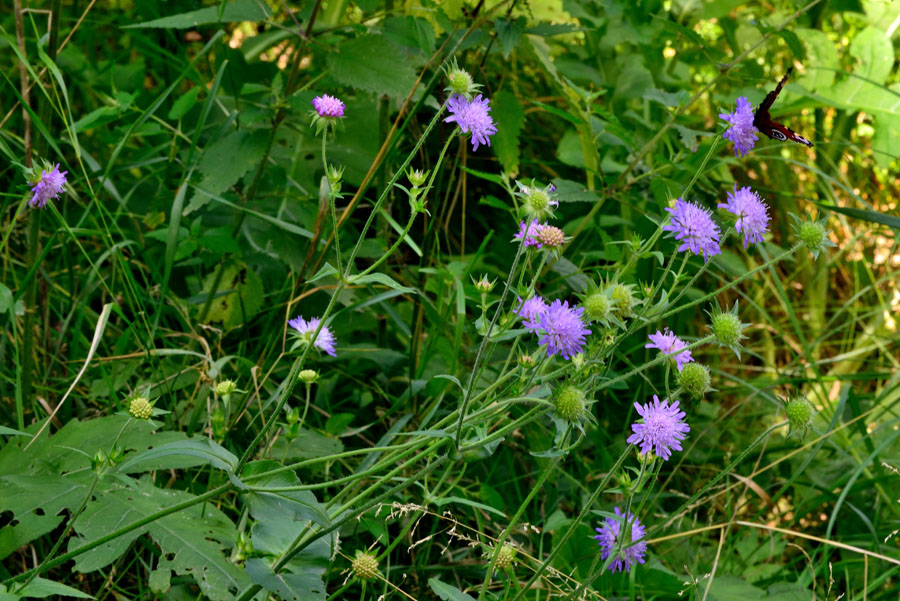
x,y
764,123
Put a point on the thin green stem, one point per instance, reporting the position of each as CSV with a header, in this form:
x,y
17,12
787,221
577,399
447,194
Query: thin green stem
x,y
332,201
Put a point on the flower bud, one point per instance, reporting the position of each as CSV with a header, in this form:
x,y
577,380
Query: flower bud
x,y
140,408
597,305
484,285
460,82
526,361
365,565
505,556
551,236
800,413
569,403
813,233
308,376
225,387
623,300
646,458
417,177
727,328
537,203
694,379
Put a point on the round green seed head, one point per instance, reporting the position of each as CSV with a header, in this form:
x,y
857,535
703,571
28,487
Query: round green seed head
x,y
570,403
694,379
364,566
308,376
506,556
727,328
799,413
813,235
460,82
140,408
225,387
597,306
622,299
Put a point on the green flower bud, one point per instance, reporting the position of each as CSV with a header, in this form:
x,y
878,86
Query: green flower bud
x,y
365,565
623,300
526,361
484,285
225,387
460,82
308,376
140,408
570,403
694,380
813,233
417,177
800,413
597,306
727,328
537,203
506,556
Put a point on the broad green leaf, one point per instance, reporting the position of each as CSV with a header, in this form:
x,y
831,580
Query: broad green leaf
x,y
237,11
509,33
181,454
307,445
373,64
11,432
412,32
237,298
192,541
821,62
383,279
569,191
866,215
225,162
184,103
510,117
291,505
40,588
447,592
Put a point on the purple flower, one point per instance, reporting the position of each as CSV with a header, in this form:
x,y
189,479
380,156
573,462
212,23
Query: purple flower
x,y
48,188
563,329
628,550
328,106
670,344
530,232
742,131
531,311
662,429
694,227
751,211
324,341
472,116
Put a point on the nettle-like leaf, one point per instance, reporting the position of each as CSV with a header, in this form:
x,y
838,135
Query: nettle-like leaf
x,y
238,298
192,541
280,518
225,162
510,116
374,64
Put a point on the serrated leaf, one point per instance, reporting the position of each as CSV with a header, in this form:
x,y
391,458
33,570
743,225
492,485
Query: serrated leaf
x,y
447,592
510,118
240,10
509,33
669,99
373,64
192,541
225,162
569,191
238,297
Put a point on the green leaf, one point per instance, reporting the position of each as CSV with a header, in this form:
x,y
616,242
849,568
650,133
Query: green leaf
x,y
237,11
307,445
509,33
822,60
669,99
291,505
225,162
192,541
447,592
11,432
569,191
383,279
238,297
181,454
866,215
412,32
373,64
185,103
40,588
510,117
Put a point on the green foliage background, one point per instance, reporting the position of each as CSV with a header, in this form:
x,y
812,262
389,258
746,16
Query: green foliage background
x,y
194,226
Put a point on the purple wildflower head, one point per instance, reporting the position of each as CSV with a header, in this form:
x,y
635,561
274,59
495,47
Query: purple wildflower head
x,y
563,329
472,116
530,232
671,345
328,106
742,131
627,550
324,341
662,429
694,227
48,187
531,311
752,213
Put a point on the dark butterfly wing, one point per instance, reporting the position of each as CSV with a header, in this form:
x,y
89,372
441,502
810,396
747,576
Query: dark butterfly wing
x,y
764,123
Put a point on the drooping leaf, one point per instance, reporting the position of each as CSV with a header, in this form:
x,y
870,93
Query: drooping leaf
x,y
181,454
448,592
41,588
235,12
509,33
373,64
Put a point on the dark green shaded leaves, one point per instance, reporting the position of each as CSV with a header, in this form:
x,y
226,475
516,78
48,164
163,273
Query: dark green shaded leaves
x,y
225,162
510,117
239,10
373,64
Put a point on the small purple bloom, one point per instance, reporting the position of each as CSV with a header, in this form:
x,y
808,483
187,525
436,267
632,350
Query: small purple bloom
x,y
662,429
742,131
48,188
531,311
671,345
530,232
324,341
694,227
328,106
563,329
628,550
751,211
472,116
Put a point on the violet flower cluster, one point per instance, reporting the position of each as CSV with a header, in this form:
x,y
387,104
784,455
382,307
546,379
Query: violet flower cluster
x,y
472,116
627,550
742,131
325,341
671,345
48,187
560,328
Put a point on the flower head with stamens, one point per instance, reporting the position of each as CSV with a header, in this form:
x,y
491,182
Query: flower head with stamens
x,y
670,345
694,227
662,429
531,311
529,231
627,550
48,187
325,341
751,212
742,131
562,329
472,116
